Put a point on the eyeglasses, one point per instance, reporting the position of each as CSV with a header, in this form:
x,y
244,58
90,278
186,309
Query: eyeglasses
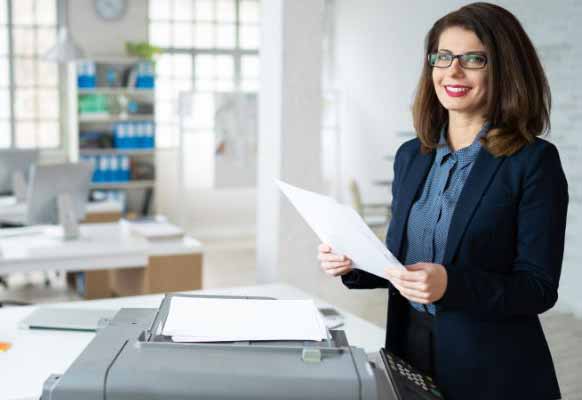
x,y
443,59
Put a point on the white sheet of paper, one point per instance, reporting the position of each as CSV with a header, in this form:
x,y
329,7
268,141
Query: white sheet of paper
x,y
192,319
342,228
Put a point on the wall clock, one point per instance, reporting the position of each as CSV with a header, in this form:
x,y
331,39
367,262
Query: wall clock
x,y
110,10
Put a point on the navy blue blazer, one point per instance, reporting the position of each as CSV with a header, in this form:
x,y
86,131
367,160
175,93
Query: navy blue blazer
x,y
503,259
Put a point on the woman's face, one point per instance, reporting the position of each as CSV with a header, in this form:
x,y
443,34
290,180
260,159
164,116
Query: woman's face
x,y
461,90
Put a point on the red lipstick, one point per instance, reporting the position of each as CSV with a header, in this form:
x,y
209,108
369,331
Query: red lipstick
x,y
457,90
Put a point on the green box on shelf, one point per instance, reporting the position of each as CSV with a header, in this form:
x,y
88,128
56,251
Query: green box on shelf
x,y
93,103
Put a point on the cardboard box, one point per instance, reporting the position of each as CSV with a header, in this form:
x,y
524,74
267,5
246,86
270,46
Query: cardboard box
x,y
102,217
174,273
97,284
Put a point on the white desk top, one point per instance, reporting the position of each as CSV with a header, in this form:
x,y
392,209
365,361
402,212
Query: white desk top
x,y
101,246
12,211
37,354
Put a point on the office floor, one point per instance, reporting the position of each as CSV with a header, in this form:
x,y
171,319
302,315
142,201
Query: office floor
x,y
232,263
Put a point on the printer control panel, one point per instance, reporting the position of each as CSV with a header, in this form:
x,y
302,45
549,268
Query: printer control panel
x,y
409,383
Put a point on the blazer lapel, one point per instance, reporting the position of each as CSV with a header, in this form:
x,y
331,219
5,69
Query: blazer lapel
x,y
413,182
479,178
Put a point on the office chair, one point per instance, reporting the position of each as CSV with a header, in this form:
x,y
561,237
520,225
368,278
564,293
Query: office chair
x,y
10,224
375,215
7,303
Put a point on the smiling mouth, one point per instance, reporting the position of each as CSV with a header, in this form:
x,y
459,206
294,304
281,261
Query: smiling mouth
x,y
457,91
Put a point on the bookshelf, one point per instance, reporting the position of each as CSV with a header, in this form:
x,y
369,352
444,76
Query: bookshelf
x,y
87,119
113,90
141,184
91,152
115,128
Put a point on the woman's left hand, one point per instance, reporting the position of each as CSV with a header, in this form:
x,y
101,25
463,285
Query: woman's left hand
x,y
421,282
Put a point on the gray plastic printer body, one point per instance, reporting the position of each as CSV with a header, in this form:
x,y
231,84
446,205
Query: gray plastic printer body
x,y
129,360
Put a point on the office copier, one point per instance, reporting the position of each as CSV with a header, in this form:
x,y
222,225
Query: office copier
x,y
129,359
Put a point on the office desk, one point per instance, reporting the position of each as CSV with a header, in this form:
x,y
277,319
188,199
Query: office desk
x,y
141,266
105,211
37,354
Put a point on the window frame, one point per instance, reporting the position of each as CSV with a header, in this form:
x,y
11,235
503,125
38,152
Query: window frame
x,y
61,77
237,53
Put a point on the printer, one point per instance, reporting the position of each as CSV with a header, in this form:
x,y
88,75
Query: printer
x,y
130,359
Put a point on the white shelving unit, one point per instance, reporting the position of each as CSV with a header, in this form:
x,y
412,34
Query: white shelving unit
x,y
103,122
97,118
97,152
142,184
112,90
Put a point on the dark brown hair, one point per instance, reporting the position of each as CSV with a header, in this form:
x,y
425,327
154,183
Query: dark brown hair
x,y
518,95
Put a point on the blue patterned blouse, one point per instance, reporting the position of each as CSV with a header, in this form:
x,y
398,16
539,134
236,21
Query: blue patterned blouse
x,y
431,214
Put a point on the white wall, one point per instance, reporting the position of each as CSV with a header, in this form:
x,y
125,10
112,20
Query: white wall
x,y
107,38
379,53
289,137
290,149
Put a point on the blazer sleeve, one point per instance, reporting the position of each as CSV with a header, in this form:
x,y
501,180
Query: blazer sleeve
x,y
358,279
532,286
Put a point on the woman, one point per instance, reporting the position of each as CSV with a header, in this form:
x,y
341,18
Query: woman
x,y
479,215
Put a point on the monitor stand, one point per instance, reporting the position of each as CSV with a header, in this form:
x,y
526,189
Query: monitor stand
x,y
19,187
68,217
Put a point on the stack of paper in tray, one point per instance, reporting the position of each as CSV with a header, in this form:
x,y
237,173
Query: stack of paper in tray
x,y
193,319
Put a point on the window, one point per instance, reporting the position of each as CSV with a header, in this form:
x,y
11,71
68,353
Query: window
x,y
209,46
29,87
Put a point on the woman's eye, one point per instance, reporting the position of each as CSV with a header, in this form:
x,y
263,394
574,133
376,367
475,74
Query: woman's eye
x,y
474,59
443,57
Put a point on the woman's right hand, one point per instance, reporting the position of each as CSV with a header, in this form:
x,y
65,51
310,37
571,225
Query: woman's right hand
x,y
332,264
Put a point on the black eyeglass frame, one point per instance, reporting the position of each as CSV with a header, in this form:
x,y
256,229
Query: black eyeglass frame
x,y
460,57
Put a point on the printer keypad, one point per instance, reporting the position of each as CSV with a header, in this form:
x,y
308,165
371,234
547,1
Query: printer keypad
x,y
408,372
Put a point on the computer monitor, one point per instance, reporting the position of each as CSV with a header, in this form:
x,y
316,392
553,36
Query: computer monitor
x,y
47,182
11,161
